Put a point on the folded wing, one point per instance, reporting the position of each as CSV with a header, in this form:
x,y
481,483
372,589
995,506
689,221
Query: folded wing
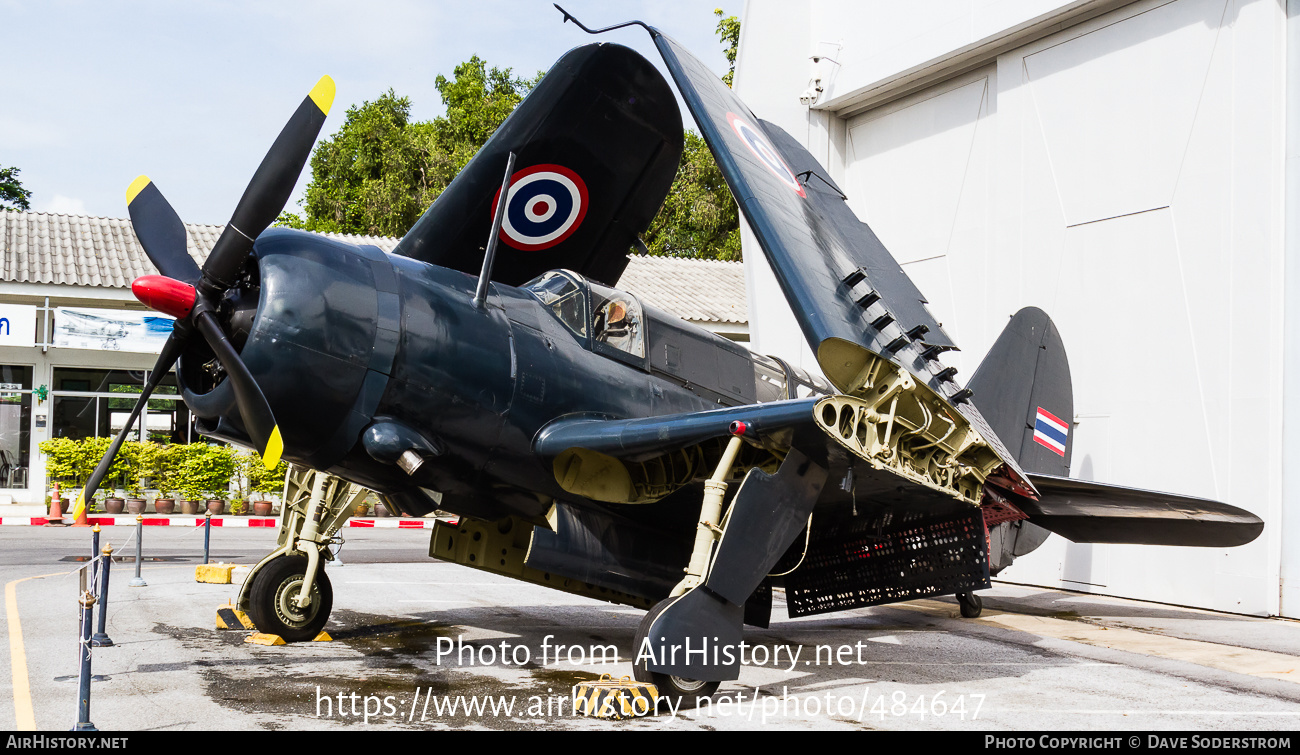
x,y
597,145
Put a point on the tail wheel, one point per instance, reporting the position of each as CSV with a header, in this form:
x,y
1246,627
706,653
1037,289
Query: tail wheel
x,y
679,691
273,600
971,604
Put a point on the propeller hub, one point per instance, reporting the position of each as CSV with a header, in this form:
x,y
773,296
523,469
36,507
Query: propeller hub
x,y
166,295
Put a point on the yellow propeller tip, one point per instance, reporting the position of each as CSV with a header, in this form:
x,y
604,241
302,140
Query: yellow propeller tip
x,y
323,94
136,187
274,447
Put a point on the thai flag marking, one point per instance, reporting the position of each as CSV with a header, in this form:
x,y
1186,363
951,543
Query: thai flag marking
x,y
1051,431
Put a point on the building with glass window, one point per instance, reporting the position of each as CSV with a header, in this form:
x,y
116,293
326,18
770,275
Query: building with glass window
x,y
75,344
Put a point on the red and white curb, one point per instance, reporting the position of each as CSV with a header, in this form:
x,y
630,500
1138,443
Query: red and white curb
x,y
219,521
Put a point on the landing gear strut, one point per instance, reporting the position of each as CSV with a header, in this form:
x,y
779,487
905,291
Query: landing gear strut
x,y
288,593
971,605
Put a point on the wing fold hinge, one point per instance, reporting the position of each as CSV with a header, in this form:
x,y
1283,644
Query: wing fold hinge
x,y
899,424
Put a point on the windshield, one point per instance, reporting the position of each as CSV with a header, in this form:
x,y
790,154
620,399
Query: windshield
x,y
563,297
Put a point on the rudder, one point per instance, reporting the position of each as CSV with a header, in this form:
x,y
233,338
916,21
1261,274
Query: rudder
x,y
1023,388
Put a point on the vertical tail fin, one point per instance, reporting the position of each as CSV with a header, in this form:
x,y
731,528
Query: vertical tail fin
x,y
1023,389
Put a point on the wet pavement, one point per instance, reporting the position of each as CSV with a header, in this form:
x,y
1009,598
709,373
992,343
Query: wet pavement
x,y
420,644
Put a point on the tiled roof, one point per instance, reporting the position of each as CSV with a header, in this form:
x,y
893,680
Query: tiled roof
x,y
700,290
40,247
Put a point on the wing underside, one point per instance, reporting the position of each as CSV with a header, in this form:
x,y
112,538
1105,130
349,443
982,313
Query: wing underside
x,y
638,452
597,145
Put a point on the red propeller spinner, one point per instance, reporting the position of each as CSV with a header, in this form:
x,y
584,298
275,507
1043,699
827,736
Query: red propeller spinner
x,y
166,295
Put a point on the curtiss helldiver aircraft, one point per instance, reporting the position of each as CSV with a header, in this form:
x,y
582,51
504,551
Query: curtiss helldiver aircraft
x,y
590,442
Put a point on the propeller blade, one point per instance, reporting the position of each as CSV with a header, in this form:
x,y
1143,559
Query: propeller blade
x,y
160,230
171,351
257,415
270,187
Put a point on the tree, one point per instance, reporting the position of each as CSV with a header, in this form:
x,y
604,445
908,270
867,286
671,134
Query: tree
x,y
729,34
378,173
699,217
12,194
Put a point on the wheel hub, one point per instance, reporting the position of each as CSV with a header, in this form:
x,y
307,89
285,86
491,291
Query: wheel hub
x,y
286,602
687,685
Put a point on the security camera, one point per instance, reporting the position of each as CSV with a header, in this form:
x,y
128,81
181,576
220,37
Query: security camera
x,y
810,95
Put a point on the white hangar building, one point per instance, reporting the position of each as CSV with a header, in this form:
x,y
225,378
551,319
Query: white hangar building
x,y
1129,167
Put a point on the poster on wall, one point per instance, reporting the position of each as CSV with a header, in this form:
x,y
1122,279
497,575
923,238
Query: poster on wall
x,y
110,330
17,325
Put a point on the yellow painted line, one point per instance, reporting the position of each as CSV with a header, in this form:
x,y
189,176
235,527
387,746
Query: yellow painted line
x,y
1262,663
23,711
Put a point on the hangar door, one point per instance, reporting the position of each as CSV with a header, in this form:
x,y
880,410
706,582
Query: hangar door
x,y
1125,176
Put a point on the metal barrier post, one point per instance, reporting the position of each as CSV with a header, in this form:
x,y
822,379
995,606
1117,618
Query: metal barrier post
x,y
207,534
83,654
94,541
139,532
101,638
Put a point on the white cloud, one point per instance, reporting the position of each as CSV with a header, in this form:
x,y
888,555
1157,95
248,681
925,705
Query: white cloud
x,y
64,205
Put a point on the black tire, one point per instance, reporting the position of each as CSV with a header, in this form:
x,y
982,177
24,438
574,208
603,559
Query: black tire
x,y
678,691
271,600
971,605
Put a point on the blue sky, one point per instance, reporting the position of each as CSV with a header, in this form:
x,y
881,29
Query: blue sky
x,y
193,93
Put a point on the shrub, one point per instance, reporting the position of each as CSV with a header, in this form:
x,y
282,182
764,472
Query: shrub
x,y
206,471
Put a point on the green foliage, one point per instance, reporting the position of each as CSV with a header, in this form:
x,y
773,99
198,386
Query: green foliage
x,y
260,479
378,173
729,35
73,461
165,465
12,194
63,460
205,471
699,218
478,100
136,457
375,175
196,470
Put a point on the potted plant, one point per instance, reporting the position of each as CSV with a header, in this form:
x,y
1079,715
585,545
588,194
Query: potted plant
x,y
75,460
61,462
136,457
263,482
182,478
164,468
209,469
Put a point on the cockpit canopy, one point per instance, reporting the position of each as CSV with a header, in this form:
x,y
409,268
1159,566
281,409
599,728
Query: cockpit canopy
x,y
615,319
615,324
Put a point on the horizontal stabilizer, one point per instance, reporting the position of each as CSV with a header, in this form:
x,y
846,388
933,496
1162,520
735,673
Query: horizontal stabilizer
x,y
1093,512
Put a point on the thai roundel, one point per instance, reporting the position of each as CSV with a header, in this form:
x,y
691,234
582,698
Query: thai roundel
x,y
766,154
545,205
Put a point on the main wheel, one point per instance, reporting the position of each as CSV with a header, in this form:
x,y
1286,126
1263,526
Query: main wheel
x,y
274,600
679,691
971,604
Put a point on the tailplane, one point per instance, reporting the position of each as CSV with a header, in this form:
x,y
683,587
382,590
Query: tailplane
x,y
1023,389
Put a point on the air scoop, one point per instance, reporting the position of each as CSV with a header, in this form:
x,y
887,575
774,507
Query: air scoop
x,y
166,295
